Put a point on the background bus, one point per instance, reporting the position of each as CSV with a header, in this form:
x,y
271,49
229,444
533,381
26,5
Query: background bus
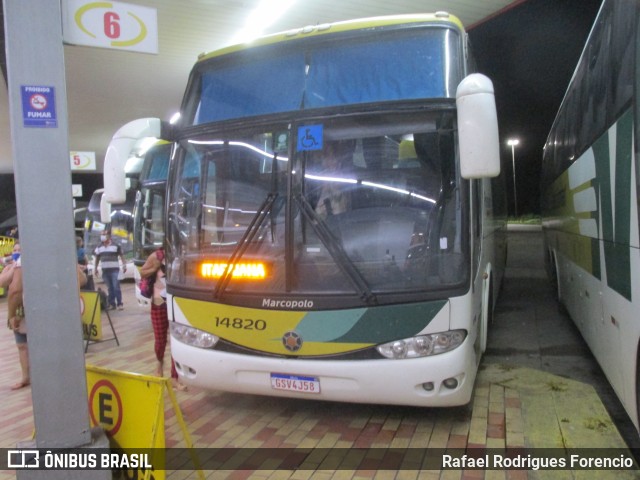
x,y
370,282
121,226
149,209
590,198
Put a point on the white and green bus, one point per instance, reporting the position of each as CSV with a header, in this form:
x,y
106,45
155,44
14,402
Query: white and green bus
x,y
590,198
334,216
149,208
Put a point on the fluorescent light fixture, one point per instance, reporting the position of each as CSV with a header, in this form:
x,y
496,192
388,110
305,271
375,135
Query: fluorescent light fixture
x,y
324,178
262,17
234,143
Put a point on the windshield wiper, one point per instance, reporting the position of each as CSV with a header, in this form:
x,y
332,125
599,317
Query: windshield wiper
x,y
242,245
336,251
252,230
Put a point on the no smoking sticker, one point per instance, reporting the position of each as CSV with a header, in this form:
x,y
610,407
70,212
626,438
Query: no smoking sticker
x,y
38,106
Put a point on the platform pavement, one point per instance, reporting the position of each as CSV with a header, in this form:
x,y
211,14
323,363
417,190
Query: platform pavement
x,y
514,405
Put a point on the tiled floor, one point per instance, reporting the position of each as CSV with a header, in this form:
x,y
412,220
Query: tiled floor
x,y
512,407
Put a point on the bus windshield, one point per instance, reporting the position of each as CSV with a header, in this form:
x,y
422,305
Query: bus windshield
x,y
148,231
409,63
360,205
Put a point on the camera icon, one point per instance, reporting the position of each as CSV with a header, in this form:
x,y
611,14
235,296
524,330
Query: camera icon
x,y
19,459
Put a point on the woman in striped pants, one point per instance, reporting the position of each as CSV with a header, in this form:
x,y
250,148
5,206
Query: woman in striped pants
x,y
155,267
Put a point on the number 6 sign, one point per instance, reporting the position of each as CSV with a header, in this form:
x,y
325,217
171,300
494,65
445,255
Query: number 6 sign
x,y
115,25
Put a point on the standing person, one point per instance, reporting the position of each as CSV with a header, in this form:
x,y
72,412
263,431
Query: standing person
x,y
154,267
11,277
83,262
80,252
107,255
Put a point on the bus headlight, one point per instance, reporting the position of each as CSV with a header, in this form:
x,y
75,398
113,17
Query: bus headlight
x,y
423,345
192,336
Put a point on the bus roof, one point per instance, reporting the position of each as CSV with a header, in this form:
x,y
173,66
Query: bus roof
x,y
438,18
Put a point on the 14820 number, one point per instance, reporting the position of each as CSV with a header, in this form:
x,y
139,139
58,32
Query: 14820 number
x,y
241,323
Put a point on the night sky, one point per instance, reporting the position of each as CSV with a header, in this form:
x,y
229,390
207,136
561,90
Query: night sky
x,y
530,53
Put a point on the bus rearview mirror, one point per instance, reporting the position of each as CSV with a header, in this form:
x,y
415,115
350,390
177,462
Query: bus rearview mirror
x,y
477,128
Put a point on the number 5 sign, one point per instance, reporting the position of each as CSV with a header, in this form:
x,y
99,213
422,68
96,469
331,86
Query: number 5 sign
x,y
115,25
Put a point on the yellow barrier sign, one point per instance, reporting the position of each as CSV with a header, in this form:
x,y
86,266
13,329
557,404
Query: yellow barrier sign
x,y
90,311
130,409
6,245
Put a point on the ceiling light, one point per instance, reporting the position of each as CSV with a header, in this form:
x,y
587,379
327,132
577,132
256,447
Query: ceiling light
x,y
262,17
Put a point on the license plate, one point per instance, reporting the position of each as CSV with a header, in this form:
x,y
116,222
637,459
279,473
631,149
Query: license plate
x,y
295,383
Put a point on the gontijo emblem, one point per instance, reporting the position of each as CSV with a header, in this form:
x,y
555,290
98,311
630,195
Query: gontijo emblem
x,y
292,341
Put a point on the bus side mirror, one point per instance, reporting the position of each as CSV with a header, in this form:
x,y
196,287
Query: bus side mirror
x,y
105,210
477,128
118,152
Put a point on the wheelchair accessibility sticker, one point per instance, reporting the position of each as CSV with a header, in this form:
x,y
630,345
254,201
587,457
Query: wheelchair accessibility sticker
x,y
310,137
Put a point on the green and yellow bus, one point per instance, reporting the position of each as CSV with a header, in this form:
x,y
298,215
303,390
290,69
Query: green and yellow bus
x,y
334,216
